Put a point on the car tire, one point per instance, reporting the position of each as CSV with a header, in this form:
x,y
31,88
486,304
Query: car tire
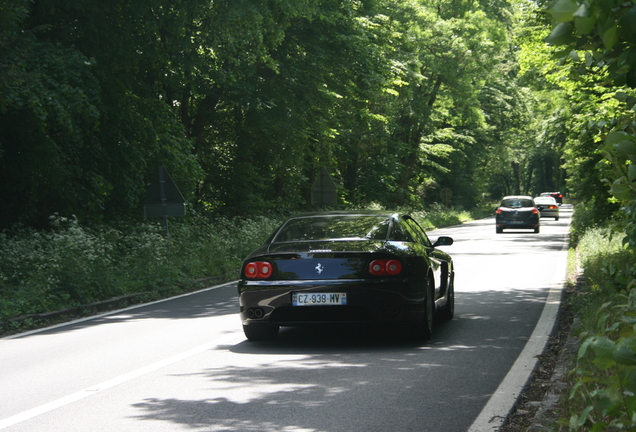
x,y
448,311
499,230
536,230
260,332
556,218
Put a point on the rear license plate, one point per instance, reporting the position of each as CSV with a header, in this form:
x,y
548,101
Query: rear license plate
x,y
319,299
517,222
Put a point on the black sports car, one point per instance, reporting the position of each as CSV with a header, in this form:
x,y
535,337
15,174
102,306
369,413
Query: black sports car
x,y
517,211
346,267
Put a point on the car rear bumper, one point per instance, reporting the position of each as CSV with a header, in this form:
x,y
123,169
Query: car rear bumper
x,y
517,223
549,214
394,300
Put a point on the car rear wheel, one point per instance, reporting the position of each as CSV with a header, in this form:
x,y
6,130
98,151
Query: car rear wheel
x,y
499,230
260,332
536,230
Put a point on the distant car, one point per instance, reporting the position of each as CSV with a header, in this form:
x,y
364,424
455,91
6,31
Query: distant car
x,y
517,211
556,195
547,206
346,267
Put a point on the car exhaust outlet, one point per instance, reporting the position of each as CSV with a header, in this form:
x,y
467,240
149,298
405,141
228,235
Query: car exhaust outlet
x,y
250,313
258,313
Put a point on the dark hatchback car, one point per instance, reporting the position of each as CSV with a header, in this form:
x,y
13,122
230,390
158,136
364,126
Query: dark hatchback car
x,y
346,267
517,212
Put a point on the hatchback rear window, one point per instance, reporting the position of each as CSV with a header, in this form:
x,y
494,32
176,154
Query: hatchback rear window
x,y
545,201
334,227
517,203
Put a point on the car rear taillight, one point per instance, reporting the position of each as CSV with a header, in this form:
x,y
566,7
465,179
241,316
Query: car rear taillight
x,y
258,270
385,267
499,211
552,207
535,211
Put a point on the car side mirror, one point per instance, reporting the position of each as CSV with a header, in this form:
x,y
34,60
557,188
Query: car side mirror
x,y
443,241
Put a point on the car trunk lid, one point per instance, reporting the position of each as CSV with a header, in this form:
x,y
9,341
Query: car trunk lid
x,y
322,260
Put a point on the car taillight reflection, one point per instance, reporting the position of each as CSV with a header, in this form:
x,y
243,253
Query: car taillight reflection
x,y
258,270
385,267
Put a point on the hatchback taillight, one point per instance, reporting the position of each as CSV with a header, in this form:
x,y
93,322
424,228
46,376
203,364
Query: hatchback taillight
x,y
535,211
385,267
258,270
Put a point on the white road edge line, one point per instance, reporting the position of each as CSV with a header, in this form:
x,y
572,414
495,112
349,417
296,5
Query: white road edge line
x,y
15,336
42,409
503,399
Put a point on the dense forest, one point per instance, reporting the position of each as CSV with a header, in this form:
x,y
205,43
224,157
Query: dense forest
x,y
244,102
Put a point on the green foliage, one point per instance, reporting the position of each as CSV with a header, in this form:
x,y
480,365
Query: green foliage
x,y
605,374
71,265
79,134
603,33
588,215
608,264
603,30
602,395
245,101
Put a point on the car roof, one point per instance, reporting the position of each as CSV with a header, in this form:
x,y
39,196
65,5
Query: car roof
x,y
545,198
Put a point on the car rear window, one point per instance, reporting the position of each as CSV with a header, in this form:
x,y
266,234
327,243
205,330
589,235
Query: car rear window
x,y
334,227
517,202
545,200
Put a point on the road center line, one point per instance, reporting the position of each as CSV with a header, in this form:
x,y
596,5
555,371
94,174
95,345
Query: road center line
x,y
34,412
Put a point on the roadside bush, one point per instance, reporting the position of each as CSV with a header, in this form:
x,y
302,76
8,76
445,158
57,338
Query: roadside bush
x,y
437,215
608,264
603,382
590,215
71,265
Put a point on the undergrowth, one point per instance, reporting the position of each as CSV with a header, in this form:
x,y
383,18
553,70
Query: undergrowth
x,y
602,394
70,264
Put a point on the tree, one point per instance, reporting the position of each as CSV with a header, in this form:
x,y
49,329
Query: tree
x,y
83,129
598,40
244,101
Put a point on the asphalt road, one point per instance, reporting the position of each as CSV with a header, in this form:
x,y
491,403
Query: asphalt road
x,y
185,365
